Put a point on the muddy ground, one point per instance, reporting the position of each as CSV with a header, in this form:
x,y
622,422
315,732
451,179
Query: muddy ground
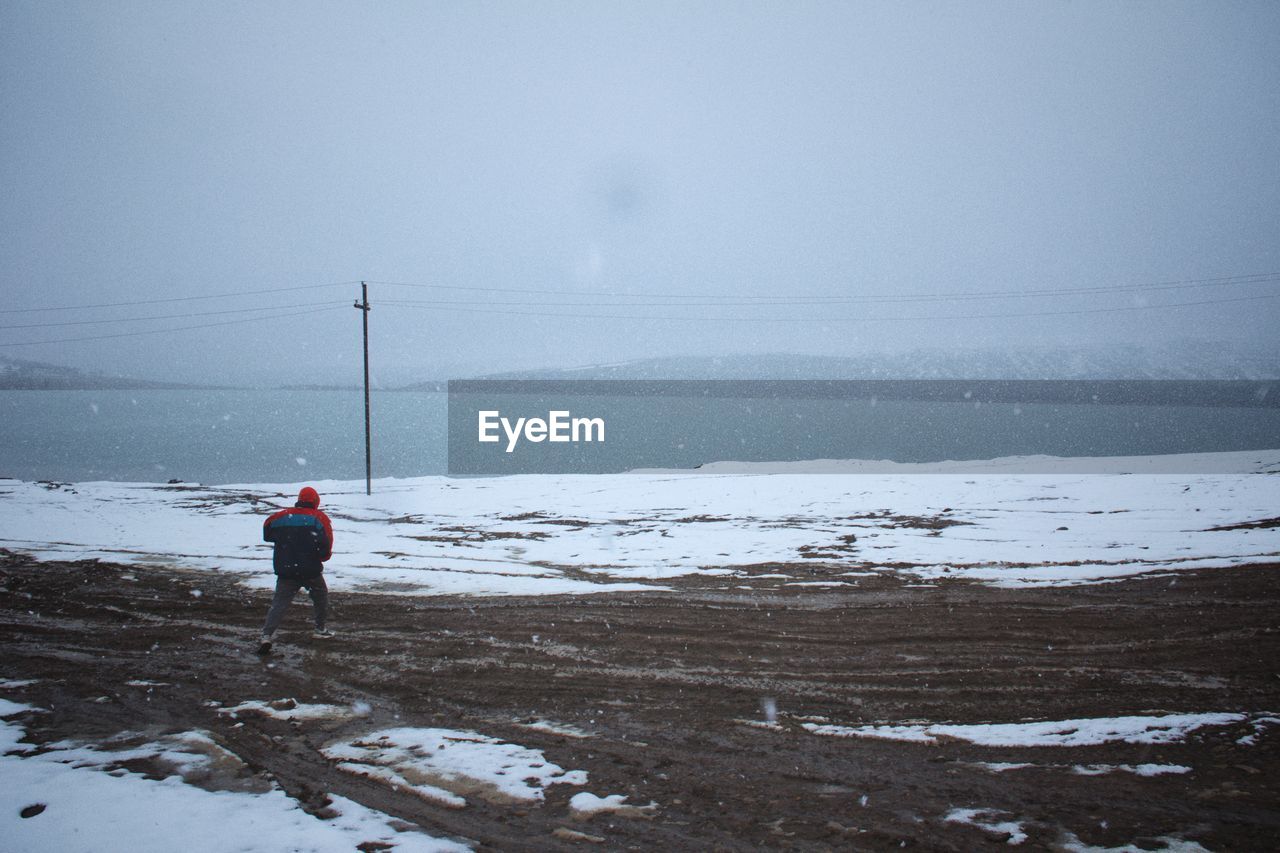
x,y
668,686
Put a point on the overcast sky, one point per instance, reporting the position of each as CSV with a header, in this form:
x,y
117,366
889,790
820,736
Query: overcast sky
x,y
161,149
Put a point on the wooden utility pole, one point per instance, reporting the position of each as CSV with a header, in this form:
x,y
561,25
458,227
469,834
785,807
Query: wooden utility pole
x,y
363,306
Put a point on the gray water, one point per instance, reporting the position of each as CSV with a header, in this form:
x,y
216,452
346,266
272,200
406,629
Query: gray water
x,y
687,430
293,436
217,436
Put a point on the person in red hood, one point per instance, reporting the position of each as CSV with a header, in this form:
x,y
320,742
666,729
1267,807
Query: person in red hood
x,y
303,539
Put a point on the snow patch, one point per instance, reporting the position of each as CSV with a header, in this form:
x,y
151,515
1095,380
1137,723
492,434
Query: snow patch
x,y
587,805
291,709
984,819
1136,769
8,708
554,728
124,805
448,764
1169,844
761,724
184,753
1259,726
1086,769
1168,728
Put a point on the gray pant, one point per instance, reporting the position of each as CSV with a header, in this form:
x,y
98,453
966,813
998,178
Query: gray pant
x,y
286,589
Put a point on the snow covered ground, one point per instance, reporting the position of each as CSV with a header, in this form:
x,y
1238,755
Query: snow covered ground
x,y
533,535
73,797
728,525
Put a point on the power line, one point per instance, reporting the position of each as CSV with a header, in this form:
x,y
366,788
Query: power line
x,y
173,329
783,301
154,317
811,320
177,298
499,308
1219,281
727,299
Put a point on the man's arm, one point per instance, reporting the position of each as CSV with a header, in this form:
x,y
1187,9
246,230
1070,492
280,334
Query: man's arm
x,y
269,533
328,538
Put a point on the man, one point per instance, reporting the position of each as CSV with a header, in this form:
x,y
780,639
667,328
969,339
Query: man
x,y
303,541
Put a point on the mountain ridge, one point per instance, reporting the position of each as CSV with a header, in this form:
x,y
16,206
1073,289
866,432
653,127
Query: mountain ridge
x,y
1199,361
1178,360
23,375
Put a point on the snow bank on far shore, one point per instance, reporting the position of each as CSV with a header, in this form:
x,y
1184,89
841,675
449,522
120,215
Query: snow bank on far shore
x,y
1230,462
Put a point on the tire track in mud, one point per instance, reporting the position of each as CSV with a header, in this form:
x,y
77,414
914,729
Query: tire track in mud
x,y
668,688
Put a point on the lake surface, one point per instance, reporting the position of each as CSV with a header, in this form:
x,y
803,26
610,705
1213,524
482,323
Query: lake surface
x,y
217,436
293,436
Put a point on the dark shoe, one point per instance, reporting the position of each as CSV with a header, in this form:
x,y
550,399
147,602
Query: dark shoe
x,y
264,646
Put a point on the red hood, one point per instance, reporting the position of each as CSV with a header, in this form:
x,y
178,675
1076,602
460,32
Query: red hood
x,y
309,496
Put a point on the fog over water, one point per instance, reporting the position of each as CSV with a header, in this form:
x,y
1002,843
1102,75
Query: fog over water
x,y
597,164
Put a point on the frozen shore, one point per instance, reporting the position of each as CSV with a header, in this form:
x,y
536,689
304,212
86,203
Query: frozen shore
x,y
742,525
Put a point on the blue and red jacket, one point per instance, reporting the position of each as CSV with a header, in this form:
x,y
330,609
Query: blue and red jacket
x,y
303,538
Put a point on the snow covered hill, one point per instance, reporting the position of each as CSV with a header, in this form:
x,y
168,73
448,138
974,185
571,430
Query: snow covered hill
x,y
23,375
1178,360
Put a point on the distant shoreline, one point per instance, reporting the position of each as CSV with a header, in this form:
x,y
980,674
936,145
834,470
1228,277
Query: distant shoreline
x,y
420,387
108,385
